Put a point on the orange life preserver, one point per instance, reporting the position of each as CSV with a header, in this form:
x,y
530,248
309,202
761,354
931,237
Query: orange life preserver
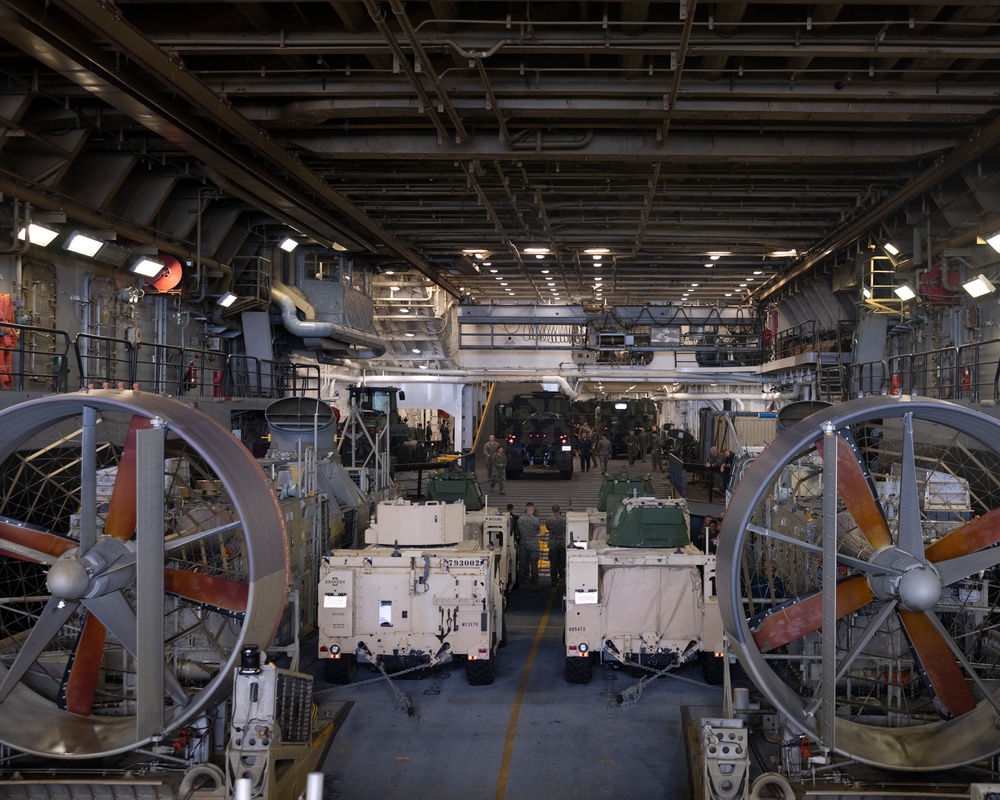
x,y
8,340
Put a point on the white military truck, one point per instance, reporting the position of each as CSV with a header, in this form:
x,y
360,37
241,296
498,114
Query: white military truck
x,y
642,597
427,590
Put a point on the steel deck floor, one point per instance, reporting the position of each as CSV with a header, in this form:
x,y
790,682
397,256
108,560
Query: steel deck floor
x,y
530,734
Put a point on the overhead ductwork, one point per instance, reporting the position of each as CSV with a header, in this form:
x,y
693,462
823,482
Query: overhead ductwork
x,y
328,337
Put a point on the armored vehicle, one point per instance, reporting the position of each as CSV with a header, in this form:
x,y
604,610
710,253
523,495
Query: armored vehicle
x,y
536,430
427,591
644,597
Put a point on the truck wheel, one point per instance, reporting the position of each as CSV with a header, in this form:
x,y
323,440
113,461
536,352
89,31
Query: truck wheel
x,y
579,670
713,668
480,672
340,670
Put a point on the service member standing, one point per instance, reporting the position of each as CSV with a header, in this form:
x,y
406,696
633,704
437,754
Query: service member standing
x,y
632,448
528,552
499,469
602,453
489,450
556,526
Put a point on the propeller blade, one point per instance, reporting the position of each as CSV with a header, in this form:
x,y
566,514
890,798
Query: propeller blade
x,y
119,617
85,669
796,618
121,518
41,542
856,491
939,669
49,623
209,589
972,536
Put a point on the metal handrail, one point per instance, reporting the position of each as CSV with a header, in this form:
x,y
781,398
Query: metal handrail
x,y
19,361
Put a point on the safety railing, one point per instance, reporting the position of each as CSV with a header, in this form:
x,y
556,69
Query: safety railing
x,y
104,361
969,372
33,358
248,376
180,371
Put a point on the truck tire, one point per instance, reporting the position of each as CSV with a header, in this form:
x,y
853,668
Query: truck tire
x,y
713,668
579,670
340,670
480,672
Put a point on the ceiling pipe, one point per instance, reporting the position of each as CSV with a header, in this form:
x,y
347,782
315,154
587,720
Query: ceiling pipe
x,y
328,336
563,384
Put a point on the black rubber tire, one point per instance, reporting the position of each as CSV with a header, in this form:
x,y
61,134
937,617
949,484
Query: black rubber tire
x,y
578,669
713,668
480,672
341,670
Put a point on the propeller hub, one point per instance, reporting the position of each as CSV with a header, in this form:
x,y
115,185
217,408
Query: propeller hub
x,y
68,578
919,589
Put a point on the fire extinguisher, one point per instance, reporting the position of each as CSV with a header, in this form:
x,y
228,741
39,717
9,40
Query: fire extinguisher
x,y
966,379
894,390
217,383
192,375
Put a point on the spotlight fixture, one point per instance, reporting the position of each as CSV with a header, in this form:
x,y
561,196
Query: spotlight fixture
x,y
288,244
994,241
37,234
83,244
891,249
226,300
905,291
979,286
147,267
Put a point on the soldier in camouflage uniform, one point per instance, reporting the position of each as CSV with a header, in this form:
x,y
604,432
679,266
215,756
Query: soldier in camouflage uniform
x,y
489,450
602,453
556,525
528,552
499,469
632,448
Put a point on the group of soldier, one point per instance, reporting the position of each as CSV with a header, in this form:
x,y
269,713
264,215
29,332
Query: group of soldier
x,y
527,531
591,452
641,442
496,463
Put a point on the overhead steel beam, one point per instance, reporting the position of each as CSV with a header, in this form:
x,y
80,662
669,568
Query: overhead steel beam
x,y
816,148
55,41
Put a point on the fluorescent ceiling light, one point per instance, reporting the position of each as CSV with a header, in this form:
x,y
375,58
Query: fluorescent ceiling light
x,y
38,235
147,267
979,286
83,244
340,247
288,244
596,251
905,292
536,250
226,300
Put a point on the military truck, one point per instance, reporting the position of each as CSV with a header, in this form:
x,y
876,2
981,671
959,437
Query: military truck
x,y
428,590
644,597
536,430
